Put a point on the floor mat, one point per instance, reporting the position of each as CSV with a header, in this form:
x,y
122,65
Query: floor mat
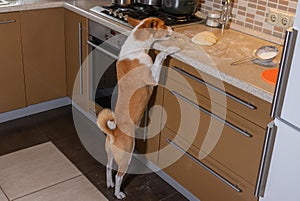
x,y
42,172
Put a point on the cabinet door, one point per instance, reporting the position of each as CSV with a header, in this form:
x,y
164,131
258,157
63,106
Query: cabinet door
x,y
204,178
11,68
44,54
75,31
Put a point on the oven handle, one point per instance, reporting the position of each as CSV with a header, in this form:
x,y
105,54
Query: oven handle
x,y
97,47
80,58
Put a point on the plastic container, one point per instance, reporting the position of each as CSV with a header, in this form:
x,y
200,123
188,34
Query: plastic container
x,y
213,18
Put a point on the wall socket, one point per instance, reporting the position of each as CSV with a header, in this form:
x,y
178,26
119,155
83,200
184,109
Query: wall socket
x,y
280,19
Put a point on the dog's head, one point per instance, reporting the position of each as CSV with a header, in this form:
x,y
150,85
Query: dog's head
x,y
150,28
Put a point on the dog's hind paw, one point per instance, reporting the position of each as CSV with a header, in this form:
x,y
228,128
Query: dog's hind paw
x,y
120,195
110,184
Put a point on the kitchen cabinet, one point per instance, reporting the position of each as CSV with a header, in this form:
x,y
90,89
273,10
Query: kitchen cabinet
x,y
225,142
206,179
43,54
76,52
221,126
12,85
238,101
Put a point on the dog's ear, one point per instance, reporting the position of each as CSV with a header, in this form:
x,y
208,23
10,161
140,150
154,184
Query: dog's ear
x,y
133,22
155,23
151,23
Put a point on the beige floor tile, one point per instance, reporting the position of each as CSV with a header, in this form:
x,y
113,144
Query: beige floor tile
x,y
77,189
2,196
34,168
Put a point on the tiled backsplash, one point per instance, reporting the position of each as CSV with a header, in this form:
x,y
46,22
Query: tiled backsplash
x,y
252,14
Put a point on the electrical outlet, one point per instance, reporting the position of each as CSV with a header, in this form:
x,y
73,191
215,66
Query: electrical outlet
x,y
285,20
272,17
279,18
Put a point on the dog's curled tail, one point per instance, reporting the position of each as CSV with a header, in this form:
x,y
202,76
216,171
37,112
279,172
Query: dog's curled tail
x,y
106,121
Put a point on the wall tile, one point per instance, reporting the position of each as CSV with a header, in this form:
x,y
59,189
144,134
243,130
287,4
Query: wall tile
x,y
253,13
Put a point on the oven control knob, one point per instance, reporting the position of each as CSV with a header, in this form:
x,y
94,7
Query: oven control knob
x,y
121,16
125,17
115,13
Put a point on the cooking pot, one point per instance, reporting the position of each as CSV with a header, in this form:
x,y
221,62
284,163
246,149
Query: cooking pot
x,y
179,7
122,2
149,2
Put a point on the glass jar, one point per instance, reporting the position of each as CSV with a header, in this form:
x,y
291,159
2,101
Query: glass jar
x,y
213,18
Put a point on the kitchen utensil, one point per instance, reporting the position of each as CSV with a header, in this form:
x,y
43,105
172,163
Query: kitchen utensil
x,y
263,54
149,2
122,2
270,75
179,7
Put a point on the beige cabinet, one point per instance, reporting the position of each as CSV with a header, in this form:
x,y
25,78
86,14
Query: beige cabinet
x,y
11,68
43,54
205,178
218,130
76,54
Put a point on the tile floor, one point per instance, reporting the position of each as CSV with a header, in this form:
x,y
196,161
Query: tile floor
x,y
43,173
56,126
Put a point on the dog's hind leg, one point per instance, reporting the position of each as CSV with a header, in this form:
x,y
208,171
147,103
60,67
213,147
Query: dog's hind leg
x,y
110,159
119,179
122,158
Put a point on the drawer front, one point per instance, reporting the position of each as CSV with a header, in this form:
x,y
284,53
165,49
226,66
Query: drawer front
x,y
202,177
238,101
235,142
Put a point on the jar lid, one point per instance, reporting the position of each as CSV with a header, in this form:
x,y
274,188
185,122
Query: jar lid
x,y
214,14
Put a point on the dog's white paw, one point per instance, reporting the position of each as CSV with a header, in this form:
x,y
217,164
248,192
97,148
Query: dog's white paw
x,y
172,50
120,195
110,184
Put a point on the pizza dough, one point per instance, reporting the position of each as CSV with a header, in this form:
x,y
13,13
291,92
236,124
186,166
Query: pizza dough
x,y
205,38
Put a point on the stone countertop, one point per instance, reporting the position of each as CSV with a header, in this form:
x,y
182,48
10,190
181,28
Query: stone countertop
x,y
214,60
78,6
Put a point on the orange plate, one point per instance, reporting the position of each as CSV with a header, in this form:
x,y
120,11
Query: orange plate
x,y
270,75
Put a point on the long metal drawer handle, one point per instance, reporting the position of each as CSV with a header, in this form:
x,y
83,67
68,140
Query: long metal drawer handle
x,y
284,69
7,21
80,58
265,160
211,171
242,102
102,50
227,123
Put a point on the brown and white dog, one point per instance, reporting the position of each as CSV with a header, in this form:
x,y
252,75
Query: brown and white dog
x,y
136,74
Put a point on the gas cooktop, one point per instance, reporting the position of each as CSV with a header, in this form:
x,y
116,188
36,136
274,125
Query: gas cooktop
x,y
120,14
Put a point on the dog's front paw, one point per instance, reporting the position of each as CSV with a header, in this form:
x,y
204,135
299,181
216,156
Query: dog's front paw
x,y
120,195
172,50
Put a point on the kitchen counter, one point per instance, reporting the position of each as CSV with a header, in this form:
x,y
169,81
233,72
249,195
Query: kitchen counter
x,y
214,60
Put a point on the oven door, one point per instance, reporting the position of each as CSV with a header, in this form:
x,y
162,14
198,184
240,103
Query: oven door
x,y
102,74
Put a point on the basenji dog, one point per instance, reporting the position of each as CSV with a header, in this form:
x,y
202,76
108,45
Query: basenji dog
x,y
136,74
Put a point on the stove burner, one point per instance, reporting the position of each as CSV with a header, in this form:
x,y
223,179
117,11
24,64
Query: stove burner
x,y
181,18
140,12
122,9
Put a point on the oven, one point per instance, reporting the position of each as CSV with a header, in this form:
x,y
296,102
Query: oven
x,y
104,47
